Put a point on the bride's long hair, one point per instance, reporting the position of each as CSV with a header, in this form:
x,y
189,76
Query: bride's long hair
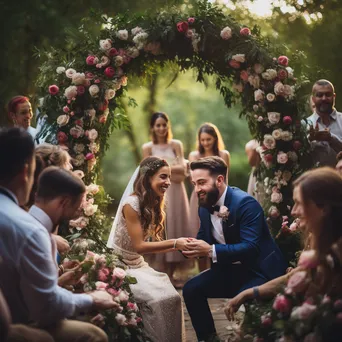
x,y
151,205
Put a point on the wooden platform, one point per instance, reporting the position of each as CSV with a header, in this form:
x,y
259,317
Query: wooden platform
x,y
224,328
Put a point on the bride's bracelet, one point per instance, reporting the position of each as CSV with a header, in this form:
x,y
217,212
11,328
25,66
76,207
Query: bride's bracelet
x,y
174,244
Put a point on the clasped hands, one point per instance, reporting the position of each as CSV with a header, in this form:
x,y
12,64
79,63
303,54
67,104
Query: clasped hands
x,y
316,134
193,248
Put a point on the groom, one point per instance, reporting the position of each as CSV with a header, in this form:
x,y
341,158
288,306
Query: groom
x,y
235,236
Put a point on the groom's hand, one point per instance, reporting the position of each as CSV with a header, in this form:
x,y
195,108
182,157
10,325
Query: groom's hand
x,y
196,249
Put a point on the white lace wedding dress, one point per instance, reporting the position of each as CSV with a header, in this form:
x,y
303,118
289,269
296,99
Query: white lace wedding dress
x,y
159,302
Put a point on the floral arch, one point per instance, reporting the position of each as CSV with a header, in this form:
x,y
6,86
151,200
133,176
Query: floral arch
x,y
84,88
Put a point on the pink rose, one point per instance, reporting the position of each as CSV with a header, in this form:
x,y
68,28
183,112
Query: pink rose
x,y
287,120
282,304
90,255
283,60
266,321
113,52
308,259
103,273
298,282
276,197
294,225
297,145
282,74
100,285
92,134
89,156
109,72
66,109
76,132
182,26
62,137
303,312
89,75
132,306
234,64
53,89
92,60
80,90
191,20
103,105
102,118
119,273
338,304
268,158
113,292
245,31
244,75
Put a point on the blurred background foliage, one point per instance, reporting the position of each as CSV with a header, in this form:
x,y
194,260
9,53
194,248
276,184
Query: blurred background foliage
x,y
28,27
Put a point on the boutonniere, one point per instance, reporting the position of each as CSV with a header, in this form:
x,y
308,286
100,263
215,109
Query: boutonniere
x,y
223,213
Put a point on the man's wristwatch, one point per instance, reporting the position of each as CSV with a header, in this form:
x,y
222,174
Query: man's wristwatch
x,y
210,252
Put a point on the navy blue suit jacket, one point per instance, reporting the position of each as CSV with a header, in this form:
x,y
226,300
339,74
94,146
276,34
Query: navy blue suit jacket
x,y
247,236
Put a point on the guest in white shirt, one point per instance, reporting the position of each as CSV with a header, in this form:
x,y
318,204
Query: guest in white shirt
x,y
20,113
28,275
325,131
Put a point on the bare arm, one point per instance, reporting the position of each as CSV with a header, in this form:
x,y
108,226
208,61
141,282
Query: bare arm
x,y
136,234
179,167
225,155
146,150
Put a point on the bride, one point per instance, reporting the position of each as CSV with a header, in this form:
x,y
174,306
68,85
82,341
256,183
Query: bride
x,y
137,230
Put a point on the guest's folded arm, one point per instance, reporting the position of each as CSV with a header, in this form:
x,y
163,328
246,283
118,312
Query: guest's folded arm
x,y
46,301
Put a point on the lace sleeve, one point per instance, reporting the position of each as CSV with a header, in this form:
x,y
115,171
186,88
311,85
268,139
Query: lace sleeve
x,y
133,201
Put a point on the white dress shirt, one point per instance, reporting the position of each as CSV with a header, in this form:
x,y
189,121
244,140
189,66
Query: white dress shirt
x,y
28,276
217,229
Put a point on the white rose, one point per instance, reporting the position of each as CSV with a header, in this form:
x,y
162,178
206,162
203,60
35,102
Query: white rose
x,y
269,74
277,134
110,93
260,119
92,134
136,30
79,148
286,136
122,34
276,197
240,57
62,120
91,113
94,147
105,44
292,156
255,107
93,189
289,72
78,78
273,117
120,319
279,89
70,72
90,209
94,90
140,39
132,52
226,33
80,223
269,141
258,68
258,95
60,70
78,160
270,97
254,81
123,296
119,273
282,157
118,61
70,92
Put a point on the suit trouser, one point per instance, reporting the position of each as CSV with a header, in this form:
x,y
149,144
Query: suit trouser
x,y
62,331
217,282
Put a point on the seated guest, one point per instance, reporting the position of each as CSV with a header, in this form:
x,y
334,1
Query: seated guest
x,y
235,236
318,202
28,275
20,113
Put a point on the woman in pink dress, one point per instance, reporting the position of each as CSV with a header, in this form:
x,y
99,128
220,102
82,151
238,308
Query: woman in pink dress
x,y
177,205
209,143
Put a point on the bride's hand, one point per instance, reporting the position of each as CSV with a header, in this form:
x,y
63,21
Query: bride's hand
x,y
181,244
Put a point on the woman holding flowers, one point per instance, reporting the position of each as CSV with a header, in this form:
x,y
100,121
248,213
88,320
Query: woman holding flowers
x,y
138,229
302,307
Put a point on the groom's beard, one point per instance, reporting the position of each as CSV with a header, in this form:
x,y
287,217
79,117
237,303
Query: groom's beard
x,y
210,199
